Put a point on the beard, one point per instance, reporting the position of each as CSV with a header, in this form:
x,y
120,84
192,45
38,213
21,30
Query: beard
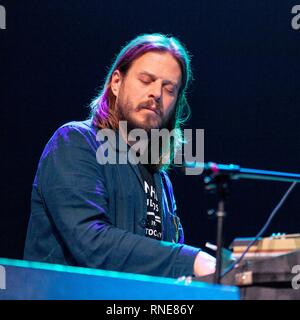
x,y
136,118
127,111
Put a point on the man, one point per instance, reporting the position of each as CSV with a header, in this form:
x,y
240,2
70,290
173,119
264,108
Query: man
x,y
118,216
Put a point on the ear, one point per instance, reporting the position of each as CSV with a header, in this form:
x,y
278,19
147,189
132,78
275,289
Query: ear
x,y
115,84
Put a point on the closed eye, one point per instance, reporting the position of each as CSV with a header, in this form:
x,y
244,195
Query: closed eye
x,y
170,88
145,79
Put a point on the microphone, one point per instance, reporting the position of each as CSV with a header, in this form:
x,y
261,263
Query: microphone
x,y
237,172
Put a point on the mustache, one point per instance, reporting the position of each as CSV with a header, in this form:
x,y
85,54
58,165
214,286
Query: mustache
x,y
150,104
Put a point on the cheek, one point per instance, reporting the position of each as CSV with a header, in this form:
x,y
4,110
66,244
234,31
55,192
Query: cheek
x,y
168,105
134,94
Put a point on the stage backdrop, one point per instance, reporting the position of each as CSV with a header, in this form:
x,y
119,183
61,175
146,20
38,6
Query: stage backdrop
x,y
246,96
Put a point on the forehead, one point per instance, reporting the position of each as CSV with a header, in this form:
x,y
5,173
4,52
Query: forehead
x,y
161,64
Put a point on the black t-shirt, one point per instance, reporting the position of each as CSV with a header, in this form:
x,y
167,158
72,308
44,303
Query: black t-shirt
x,y
153,226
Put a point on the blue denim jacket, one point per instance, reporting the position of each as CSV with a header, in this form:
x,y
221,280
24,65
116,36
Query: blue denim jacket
x,y
92,215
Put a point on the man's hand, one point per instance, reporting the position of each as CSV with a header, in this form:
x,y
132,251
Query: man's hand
x,y
204,264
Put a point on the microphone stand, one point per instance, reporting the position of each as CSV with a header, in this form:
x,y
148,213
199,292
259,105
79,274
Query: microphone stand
x,y
218,184
217,178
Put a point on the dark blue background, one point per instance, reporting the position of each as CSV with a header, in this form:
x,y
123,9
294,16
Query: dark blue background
x,y
246,95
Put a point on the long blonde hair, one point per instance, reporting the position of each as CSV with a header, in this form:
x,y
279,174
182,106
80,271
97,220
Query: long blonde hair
x,y
103,112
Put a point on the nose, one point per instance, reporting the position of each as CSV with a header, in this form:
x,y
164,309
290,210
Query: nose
x,y
156,91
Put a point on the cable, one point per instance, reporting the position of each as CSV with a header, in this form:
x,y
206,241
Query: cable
x,y
260,233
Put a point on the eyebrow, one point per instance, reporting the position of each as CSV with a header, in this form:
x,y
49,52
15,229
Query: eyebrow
x,y
154,77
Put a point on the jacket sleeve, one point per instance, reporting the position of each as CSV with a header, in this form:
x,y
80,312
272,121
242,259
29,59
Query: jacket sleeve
x,y
73,189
